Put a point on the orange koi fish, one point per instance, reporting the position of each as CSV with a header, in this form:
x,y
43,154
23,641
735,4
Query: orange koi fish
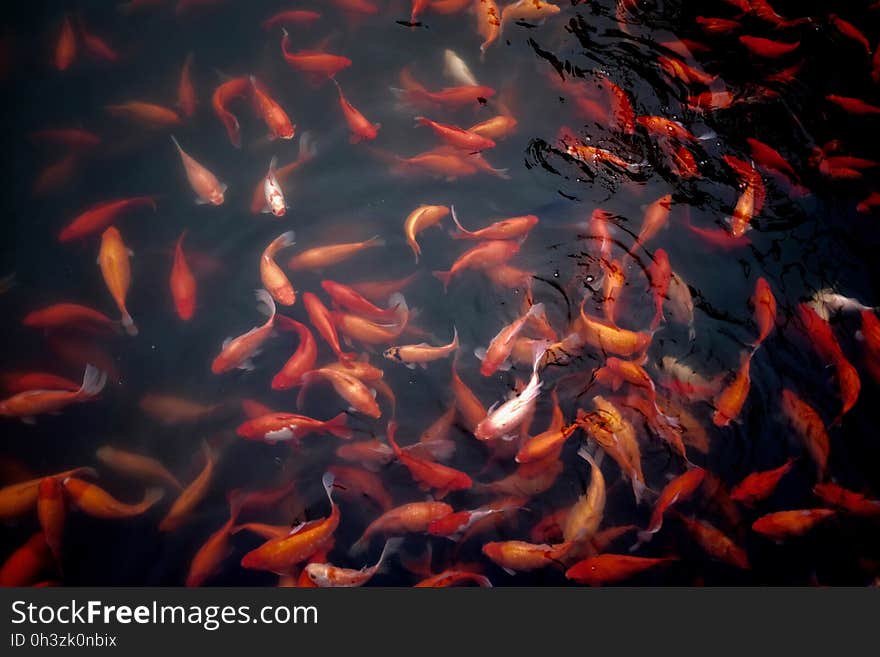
x,y
273,278
209,559
730,400
678,490
331,254
149,115
26,405
764,304
360,398
412,518
611,568
97,502
428,474
113,259
186,92
418,220
317,65
503,229
421,354
137,466
782,524
272,113
759,486
283,427
482,256
302,361
191,496
809,426
237,352
322,320
280,554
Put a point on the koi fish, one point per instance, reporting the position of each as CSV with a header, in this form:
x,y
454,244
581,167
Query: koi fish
x,y
204,183
100,216
421,354
280,554
98,503
331,254
418,220
136,466
271,275
183,283
360,127
237,352
428,474
501,420
783,524
283,427
412,518
759,486
328,575
26,405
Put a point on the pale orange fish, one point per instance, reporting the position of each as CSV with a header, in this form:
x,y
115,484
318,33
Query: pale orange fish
x,y
273,278
204,183
113,259
418,220
331,254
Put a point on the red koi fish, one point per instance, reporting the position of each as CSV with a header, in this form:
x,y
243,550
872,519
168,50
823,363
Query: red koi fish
x,y
316,65
223,94
360,127
302,361
272,113
428,474
183,284
100,216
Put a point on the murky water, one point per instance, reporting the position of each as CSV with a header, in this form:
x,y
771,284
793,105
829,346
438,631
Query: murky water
x,y
553,77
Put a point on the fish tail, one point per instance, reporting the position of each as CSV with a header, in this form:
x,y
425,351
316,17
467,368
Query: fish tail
x,y
444,277
129,325
93,382
266,304
152,496
338,427
462,231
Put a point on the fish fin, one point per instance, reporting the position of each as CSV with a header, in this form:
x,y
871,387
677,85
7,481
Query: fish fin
x,y
200,201
424,366
337,426
226,342
444,277
410,366
247,365
509,571
506,365
480,353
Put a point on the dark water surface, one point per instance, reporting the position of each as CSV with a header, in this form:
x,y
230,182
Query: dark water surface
x,y
800,243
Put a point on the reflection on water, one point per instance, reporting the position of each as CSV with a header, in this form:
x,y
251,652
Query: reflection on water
x,y
686,258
